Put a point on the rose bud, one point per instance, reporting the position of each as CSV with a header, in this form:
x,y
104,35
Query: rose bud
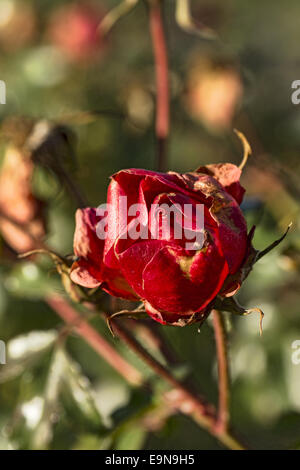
x,y
136,255
74,30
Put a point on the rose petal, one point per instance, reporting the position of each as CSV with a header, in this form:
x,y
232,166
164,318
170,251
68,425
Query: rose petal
x,y
228,175
89,271
86,243
81,274
134,259
227,214
115,284
184,285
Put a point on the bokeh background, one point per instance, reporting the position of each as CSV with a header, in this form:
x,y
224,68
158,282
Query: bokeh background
x,y
102,94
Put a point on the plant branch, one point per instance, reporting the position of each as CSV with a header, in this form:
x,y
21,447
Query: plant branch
x,y
201,412
162,80
206,410
180,398
223,370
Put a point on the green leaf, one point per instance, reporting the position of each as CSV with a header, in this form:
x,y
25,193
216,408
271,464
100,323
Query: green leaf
x,y
29,280
43,433
89,442
131,438
24,351
78,388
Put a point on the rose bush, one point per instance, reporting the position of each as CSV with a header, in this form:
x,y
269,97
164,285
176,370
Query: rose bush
x,y
176,284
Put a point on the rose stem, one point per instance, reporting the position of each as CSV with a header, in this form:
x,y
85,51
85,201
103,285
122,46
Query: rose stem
x,y
162,80
195,406
223,370
162,131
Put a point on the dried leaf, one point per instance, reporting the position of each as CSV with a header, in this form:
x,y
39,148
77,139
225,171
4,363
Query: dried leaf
x,y
246,147
230,304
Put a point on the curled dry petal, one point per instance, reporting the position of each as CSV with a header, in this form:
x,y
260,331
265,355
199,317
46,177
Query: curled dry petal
x,y
228,176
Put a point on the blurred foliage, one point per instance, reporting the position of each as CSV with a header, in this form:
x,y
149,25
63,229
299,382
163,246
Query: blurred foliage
x,y
55,392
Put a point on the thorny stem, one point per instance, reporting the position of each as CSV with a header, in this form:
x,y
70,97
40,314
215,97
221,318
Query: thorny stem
x,y
160,370
202,412
223,370
162,80
183,400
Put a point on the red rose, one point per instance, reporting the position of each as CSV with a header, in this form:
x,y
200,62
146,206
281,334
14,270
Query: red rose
x,y
174,280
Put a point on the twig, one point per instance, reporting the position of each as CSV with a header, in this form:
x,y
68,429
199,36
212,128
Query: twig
x,y
223,370
162,80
